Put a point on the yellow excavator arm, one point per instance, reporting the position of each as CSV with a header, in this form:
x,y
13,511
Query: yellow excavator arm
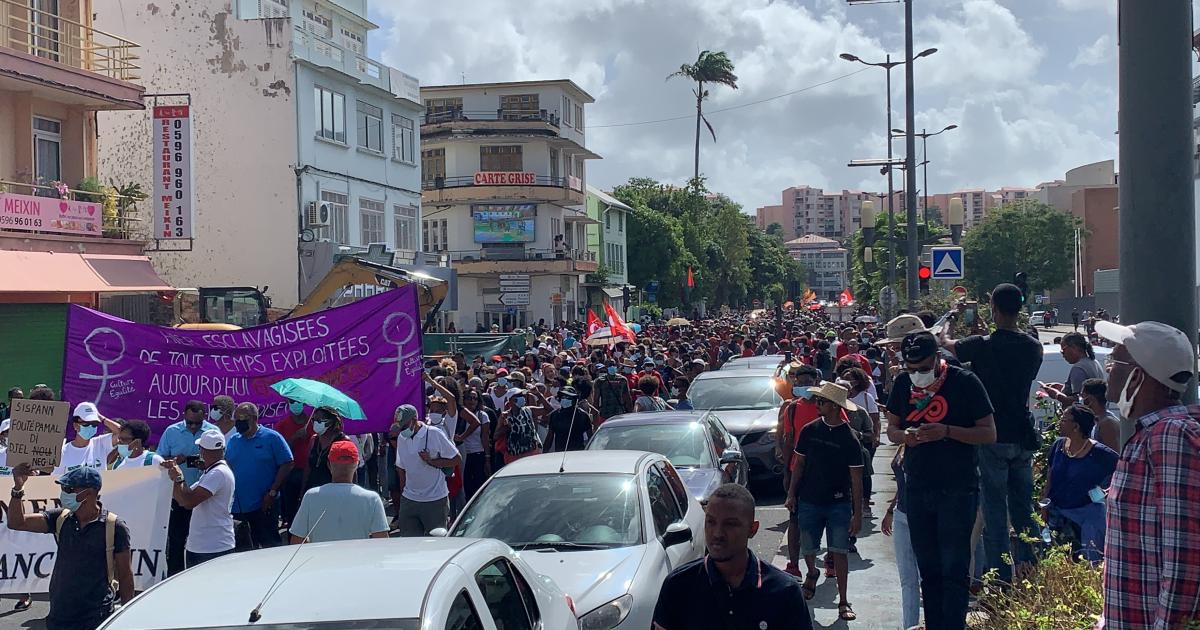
x,y
350,271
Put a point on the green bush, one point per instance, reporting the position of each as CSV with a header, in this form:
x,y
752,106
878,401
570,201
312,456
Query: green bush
x,y
1058,593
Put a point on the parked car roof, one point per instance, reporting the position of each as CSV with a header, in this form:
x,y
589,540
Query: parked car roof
x,y
626,462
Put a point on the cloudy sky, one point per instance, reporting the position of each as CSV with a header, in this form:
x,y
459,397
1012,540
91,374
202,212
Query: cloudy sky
x,y
1032,84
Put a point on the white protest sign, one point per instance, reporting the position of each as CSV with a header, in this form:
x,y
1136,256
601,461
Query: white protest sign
x,y
35,437
139,496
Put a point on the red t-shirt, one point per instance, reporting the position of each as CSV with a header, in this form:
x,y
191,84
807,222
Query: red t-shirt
x,y
287,428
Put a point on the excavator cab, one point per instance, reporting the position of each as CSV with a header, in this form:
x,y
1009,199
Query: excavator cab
x,y
240,306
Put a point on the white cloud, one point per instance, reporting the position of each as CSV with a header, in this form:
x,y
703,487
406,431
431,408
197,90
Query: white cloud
x,y
1018,127
1100,52
1089,5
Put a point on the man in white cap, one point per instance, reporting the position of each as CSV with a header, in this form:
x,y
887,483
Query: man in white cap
x,y
1152,546
89,447
210,531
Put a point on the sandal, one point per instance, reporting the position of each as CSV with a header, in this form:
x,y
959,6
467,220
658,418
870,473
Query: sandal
x,y
23,604
809,588
845,612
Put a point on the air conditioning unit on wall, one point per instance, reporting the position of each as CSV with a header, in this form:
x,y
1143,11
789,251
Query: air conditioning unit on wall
x,y
316,215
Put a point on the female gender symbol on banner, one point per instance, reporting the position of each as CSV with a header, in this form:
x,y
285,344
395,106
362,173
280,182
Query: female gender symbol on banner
x,y
106,347
398,330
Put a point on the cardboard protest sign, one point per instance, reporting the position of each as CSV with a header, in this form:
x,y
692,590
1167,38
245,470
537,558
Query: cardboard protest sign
x,y
37,430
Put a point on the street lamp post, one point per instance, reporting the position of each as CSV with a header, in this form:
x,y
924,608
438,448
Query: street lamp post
x,y
887,65
925,136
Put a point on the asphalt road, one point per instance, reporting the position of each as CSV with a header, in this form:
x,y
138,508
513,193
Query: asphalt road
x,y
872,584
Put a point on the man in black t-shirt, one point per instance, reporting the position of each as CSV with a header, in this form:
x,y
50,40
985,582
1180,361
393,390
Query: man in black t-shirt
x,y
941,412
1007,362
570,424
825,495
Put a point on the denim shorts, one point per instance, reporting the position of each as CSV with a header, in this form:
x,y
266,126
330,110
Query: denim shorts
x,y
833,520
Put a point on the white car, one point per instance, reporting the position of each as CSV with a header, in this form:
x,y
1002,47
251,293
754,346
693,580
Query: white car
x,y
395,584
1038,318
606,526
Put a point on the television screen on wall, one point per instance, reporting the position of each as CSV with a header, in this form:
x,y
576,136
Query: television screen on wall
x,y
504,223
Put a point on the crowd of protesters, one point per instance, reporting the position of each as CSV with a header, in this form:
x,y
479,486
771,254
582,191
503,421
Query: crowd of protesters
x,y
958,408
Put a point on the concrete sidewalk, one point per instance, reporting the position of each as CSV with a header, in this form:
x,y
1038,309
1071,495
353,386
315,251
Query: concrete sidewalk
x,y
874,586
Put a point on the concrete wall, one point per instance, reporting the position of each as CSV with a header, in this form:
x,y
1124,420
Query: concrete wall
x,y
241,80
462,158
77,132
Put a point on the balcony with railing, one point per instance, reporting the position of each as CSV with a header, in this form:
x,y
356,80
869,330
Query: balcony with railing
x,y
447,122
486,186
58,52
322,51
488,261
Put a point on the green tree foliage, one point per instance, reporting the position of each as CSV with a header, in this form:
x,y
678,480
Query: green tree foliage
x,y
867,279
674,228
776,230
1024,236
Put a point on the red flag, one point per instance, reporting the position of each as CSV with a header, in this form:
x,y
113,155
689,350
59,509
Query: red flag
x,y
846,298
691,280
617,325
593,323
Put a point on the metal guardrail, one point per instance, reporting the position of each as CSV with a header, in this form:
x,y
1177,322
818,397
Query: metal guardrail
x,y
461,181
50,36
496,115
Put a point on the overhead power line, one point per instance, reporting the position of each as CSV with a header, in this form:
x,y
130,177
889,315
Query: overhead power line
x,y
732,107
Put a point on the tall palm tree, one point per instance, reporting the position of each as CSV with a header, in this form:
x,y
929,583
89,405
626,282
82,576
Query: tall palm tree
x,y
710,67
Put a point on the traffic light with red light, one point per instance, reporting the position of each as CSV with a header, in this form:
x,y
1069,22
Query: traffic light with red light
x,y
924,273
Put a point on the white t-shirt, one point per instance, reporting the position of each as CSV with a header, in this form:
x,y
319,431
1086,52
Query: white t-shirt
x,y
95,454
139,461
474,442
423,482
500,401
447,425
866,400
211,530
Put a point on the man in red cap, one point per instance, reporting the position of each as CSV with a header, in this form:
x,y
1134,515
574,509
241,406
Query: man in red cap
x,y
341,509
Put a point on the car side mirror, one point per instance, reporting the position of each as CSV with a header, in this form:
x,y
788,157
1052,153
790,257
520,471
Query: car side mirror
x,y
730,457
440,532
677,533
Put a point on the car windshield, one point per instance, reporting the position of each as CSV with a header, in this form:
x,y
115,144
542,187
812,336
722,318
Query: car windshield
x,y
561,511
683,444
740,392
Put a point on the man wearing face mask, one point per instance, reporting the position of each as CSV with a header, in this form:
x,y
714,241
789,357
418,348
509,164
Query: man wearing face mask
x,y
941,413
220,413
131,447
611,394
209,500
421,454
570,424
89,447
1152,543
260,460
297,430
81,593
178,444
1007,362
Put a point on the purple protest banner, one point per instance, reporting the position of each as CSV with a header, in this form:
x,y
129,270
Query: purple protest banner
x,y
369,349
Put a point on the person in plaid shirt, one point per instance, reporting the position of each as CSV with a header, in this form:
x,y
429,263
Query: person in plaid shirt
x,y
1152,548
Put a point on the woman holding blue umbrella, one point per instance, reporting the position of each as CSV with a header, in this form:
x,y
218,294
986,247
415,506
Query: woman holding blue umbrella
x,y
327,424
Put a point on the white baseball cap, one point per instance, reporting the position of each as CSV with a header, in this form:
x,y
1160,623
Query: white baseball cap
x,y
1162,351
87,412
211,440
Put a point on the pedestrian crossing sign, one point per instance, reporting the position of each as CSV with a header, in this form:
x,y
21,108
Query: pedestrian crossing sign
x,y
947,263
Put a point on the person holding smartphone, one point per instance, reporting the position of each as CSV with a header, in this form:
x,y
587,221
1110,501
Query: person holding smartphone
x,y
178,444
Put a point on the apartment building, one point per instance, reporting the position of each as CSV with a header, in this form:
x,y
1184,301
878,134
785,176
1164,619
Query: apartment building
x,y
826,263
503,188
607,238
63,240
305,147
